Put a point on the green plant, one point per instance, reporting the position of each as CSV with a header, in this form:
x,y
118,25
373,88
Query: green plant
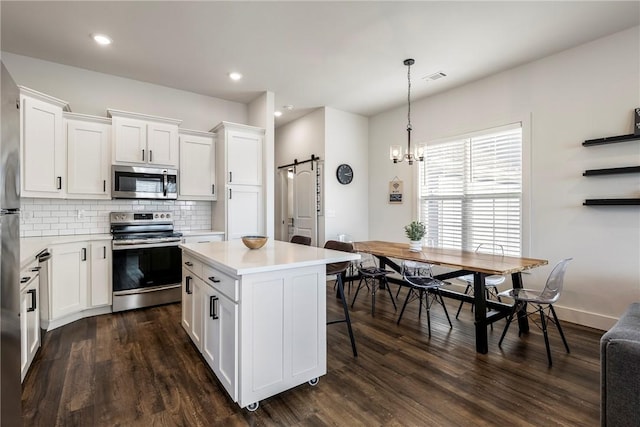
x,y
415,230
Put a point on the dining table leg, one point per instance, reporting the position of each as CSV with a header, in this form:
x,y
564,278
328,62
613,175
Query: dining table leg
x,y
480,312
523,320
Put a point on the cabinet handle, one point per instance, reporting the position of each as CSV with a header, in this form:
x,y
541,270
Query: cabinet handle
x,y
34,269
143,155
188,263
212,307
84,254
33,300
230,176
59,183
104,185
151,155
104,252
187,287
213,189
25,279
230,195
214,279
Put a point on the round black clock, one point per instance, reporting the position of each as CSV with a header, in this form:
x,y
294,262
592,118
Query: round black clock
x,y
344,174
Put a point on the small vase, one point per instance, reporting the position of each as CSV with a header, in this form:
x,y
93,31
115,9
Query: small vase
x,y
415,245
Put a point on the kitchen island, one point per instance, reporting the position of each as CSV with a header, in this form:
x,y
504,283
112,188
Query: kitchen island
x,y
258,316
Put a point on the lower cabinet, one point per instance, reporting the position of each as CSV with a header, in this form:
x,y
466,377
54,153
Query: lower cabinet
x,y
220,338
29,319
100,290
262,333
69,279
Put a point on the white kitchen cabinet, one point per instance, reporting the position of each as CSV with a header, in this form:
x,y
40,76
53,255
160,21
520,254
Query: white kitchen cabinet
x,y
69,279
245,211
220,337
100,291
197,165
239,165
88,156
264,315
192,294
29,316
42,145
140,139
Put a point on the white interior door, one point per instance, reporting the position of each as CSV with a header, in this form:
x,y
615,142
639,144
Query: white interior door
x,y
305,215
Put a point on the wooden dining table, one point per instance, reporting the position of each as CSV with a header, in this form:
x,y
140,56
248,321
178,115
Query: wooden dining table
x,y
462,262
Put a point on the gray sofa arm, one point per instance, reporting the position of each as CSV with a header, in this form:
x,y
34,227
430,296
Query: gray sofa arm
x,y
620,371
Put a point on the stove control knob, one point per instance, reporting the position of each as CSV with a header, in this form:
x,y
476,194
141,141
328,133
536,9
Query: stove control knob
x,y
155,215
168,215
161,215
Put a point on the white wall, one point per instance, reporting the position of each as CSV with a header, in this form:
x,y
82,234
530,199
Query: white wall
x,y
298,139
346,206
337,137
586,92
260,114
90,92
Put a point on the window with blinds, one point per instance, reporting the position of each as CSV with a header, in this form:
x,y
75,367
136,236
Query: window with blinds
x,y
470,191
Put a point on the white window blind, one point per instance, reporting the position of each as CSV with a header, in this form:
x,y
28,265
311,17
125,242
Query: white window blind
x,y
470,191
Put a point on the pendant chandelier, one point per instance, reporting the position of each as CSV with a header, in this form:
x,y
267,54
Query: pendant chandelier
x,y
395,152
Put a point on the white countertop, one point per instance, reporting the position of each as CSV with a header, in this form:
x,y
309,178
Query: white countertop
x,y
32,246
235,258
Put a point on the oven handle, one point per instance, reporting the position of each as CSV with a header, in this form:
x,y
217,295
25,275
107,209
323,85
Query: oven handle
x,y
121,247
165,183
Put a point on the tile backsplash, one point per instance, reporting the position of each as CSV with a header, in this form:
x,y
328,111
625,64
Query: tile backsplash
x,y
53,217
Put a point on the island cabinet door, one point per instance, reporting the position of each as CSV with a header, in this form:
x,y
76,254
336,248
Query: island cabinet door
x,y
283,331
187,300
220,338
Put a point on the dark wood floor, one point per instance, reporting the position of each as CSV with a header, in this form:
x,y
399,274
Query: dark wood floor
x,y
138,368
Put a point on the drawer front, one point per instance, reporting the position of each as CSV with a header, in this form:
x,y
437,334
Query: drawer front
x,y
192,264
221,281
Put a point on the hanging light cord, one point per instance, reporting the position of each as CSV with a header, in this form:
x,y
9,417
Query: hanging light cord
x,y
409,96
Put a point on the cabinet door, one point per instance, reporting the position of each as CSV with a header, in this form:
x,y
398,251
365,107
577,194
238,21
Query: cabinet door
x,y
129,140
245,211
101,290
69,279
197,171
89,159
244,158
197,313
187,300
220,339
162,142
29,325
43,149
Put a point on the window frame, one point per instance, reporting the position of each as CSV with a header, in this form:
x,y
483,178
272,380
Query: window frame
x,y
525,204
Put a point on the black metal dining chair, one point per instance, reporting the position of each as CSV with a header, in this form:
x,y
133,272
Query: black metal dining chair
x,y
373,278
339,269
422,287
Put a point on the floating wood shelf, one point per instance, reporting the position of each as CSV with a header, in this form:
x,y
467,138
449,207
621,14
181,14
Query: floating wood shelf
x,y
610,140
612,171
611,202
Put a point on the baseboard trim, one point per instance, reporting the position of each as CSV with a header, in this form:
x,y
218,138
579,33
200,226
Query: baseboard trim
x,y
49,325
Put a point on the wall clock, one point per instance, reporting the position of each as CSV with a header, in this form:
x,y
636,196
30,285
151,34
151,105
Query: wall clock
x,y
344,173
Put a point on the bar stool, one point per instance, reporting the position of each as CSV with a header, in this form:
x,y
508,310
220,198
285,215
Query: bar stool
x,y
339,269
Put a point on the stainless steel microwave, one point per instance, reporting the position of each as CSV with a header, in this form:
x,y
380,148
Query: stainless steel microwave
x,y
133,182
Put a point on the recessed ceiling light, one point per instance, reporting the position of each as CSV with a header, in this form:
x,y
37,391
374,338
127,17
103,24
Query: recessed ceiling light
x,y
277,113
235,76
101,39
288,107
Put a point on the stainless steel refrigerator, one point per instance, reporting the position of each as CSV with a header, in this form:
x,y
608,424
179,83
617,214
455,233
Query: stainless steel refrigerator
x,y
10,387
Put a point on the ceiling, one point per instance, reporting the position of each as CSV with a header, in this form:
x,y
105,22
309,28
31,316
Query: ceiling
x,y
345,55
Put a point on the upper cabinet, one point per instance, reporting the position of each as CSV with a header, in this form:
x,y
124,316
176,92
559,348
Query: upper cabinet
x,y
197,165
42,145
88,156
139,139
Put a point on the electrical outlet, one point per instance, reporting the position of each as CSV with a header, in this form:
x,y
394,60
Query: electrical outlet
x,y
80,213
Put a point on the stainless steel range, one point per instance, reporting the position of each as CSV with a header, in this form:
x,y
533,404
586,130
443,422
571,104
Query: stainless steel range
x,y
146,260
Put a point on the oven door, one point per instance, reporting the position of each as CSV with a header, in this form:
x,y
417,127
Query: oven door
x,y
142,267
